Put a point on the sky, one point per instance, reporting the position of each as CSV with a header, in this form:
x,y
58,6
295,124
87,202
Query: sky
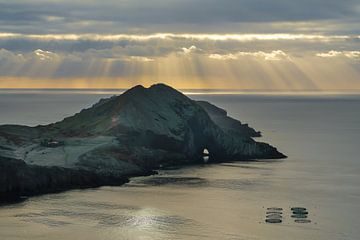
x,y
286,45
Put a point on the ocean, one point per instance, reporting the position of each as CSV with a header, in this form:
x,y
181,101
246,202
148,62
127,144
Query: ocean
x,y
318,132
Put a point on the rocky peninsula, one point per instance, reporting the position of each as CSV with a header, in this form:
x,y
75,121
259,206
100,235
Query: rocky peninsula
x,y
127,135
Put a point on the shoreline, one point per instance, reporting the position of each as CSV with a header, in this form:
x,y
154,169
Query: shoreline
x,y
21,181
11,198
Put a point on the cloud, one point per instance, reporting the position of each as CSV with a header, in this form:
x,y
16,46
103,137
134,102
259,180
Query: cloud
x,y
33,56
91,63
223,56
333,54
162,39
175,36
352,54
139,59
189,50
275,69
329,54
164,43
44,55
64,16
275,55
8,56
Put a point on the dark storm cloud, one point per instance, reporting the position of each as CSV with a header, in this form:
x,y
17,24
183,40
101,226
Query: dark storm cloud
x,y
180,15
13,12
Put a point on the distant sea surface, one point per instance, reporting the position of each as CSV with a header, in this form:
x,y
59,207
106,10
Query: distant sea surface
x,y
319,132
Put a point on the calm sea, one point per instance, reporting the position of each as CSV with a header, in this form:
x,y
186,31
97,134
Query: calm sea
x,y
319,133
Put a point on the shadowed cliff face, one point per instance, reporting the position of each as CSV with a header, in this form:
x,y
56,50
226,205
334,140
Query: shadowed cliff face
x,y
227,124
19,179
130,134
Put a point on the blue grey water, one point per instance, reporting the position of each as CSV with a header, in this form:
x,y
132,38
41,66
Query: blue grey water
x,y
319,133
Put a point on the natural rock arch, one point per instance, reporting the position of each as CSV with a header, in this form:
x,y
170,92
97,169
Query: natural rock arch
x,y
206,155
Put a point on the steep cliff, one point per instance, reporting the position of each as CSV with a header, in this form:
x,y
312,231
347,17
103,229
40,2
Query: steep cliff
x,y
228,124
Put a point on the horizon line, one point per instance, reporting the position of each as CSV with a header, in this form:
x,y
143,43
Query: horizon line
x,y
194,91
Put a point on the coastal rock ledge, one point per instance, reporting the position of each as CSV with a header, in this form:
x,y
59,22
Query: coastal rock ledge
x,y
127,135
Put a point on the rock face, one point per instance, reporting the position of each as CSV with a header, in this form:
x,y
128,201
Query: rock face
x,y
227,124
20,179
132,134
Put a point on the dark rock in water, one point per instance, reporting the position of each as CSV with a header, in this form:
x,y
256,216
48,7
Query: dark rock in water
x,y
298,209
302,221
299,216
274,216
188,181
275,220
126,135
300,212
273,212
274,209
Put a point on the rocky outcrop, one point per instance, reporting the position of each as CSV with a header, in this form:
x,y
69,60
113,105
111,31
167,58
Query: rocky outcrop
x,y
18,179
227,124
131,134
